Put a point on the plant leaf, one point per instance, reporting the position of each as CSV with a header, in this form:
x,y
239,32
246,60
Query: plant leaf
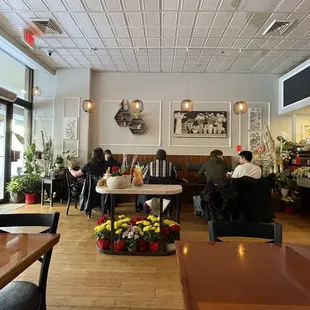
x,y
20,139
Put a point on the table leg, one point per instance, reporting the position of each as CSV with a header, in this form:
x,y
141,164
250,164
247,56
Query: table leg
x,y
178,205
112,205
102,198
51,194
42,192
161,213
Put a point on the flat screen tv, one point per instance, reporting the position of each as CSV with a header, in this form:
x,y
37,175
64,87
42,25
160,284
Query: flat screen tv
x,y
294,89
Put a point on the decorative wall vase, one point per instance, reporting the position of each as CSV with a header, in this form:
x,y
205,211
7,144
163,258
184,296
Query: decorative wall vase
x,y
170,247
116,182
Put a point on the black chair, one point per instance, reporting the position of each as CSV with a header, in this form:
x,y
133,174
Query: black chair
x,y
74,187
271,231
22,295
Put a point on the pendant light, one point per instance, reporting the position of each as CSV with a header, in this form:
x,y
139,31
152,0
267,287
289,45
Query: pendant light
x,y
240,107
136,107
36,90
187,104
88,106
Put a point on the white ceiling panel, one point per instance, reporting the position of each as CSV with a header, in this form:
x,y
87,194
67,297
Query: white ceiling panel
x,y
172,35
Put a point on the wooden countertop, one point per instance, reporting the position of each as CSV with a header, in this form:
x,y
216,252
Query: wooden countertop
x,y
19,251
148,189
239,276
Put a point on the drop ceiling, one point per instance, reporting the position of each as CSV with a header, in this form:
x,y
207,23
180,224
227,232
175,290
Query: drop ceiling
x,y
223,36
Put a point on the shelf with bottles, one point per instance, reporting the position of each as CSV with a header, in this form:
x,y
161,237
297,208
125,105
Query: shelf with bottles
x,y
300,155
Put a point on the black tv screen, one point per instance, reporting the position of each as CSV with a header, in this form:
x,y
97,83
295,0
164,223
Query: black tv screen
x,y
296,87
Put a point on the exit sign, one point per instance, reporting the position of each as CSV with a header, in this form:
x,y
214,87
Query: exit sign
x,y
28,38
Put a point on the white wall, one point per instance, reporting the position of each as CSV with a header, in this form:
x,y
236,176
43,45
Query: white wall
x,y
209,90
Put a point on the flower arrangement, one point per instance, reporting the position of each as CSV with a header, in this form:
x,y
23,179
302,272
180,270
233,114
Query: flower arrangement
x,y
137,175
131,235
171,231
284,180
116,171
302,172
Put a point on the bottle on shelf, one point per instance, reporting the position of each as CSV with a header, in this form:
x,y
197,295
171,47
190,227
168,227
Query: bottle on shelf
x,y
297,160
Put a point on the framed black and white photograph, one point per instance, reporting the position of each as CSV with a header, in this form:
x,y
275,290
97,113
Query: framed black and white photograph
x,y
255,119
70,128
254,140
200,124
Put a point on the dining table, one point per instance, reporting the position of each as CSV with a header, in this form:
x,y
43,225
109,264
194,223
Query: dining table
x,y
244,276
19,251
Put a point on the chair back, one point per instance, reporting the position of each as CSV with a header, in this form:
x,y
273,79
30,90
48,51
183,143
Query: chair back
x,y
194,166
271,231
160,180
38,220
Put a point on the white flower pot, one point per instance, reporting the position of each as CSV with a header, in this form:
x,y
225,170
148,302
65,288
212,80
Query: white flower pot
x,y
170,247
116,182
128,180
284,192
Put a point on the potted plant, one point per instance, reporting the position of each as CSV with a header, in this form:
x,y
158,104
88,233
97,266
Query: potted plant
x,y
131,235
30,186
284,182
140,222
171,233
302,176
14,187
102,233
120,226
152,233
116,179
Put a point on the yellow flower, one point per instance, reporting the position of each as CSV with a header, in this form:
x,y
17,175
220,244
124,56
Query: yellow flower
x,y
141,233
124,225
139,222
121,217
156,224
157,230
97,228
166,222
108,227
153,228
118,231
147,228
126,220
146,223
116,225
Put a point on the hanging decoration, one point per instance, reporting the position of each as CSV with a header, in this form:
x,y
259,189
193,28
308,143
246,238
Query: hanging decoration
x,y
36,91
240,107
88,106
187,105
136,107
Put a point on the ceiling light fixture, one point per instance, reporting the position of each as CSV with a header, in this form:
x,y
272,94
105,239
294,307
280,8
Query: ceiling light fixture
x,y
240,107
136,107
36,91
88,106
187,105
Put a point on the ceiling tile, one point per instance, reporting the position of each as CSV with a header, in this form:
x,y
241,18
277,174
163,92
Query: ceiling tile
x,y
197,42
216,32
82,43
170,19
115,52
200,32
95,43
226,42
55,5
66,42
153,32
168,42
184,32
85,25
74,5
113,5
304,7
19,5
169,31
131,5
99,19
167,51
69,24
232,32
171,5
154,52
222,18
187,19
255,43
207,52
209,4
271,43
117,19
155,42
107,32
4,6
137,32
75,52
240,19
212,42
93,5
125,42
204,19
190,5
13,19
228,5
52,42
110,43
151,5
248,32
258,19
287,6
63,51
258,6
151,19
182,42
135,19
139,42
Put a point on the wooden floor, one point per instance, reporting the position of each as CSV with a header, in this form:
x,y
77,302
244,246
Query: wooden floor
x,y
80,278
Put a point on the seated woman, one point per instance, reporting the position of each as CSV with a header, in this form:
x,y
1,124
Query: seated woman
x,y
94,169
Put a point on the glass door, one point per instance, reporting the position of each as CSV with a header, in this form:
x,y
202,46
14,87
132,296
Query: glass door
x,y
2,149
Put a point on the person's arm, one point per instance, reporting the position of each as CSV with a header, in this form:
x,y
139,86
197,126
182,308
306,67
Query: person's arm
x,y
76,174
202,171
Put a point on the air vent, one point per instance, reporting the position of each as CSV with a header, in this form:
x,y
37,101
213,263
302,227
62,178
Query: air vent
x,y
46,26
278,27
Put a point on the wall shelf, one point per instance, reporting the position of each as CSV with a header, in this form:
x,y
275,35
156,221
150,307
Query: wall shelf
x,y
137,126
123,118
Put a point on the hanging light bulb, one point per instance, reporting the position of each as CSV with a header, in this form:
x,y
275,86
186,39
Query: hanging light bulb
x,y
136,107
89,105
240,107
36,91
187,105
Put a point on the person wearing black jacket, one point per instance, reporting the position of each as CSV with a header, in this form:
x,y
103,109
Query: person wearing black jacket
x,y
110,161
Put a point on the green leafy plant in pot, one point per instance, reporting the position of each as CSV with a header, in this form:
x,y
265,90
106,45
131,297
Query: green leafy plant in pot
x,y
284,182
31,187
14,187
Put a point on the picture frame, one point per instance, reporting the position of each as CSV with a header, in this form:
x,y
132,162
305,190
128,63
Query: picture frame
x,y
254,140
255,119
70,128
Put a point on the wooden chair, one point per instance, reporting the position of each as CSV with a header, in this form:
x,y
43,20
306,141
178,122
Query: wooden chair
x,y
74,187
22,295
271,231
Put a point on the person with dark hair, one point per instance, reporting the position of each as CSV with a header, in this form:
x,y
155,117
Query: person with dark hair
x,y
96,166
110,161
159,167
246,168
215,168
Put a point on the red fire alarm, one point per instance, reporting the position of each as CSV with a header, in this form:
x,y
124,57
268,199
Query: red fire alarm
x,y
28,38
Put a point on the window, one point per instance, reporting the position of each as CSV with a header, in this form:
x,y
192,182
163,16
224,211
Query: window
x,y
14,76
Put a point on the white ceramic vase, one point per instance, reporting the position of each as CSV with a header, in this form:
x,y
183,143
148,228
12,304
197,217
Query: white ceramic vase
x,y
116,182
170,247
284,192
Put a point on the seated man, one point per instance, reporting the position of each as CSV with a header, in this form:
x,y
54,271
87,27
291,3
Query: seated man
x,y
246,168
159,167
109,160
216,168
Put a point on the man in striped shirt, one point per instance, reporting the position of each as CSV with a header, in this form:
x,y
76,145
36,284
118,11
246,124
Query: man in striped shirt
x,y
159,167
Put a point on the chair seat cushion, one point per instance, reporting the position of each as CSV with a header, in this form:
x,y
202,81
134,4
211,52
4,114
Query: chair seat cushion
x,y
20,295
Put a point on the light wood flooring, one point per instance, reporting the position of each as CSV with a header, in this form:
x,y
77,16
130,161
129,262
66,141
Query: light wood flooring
x,y
80,278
